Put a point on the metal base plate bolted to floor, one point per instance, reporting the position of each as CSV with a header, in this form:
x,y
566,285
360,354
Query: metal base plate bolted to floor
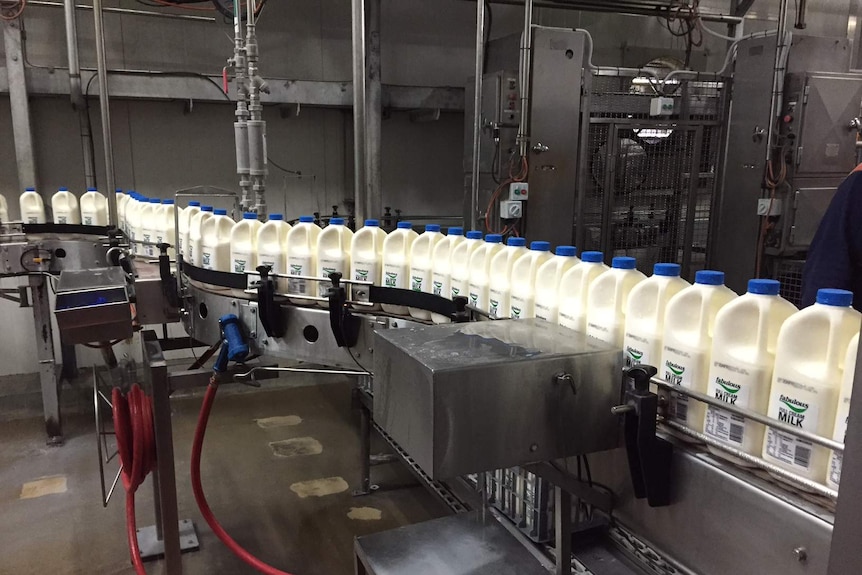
x,y
152,547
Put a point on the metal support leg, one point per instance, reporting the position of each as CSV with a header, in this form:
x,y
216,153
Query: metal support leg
x,y
70,362
563,531
45,355
365,486
20,105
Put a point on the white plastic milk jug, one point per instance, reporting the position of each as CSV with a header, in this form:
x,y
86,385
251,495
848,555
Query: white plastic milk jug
x,y
743,355
608,297
166,227
687,346
500,277
480,269
215,241
133,220
441,267
195,246
122,200
421,265
4,209
183,225
272,247
809,368
150,225
460,276
64,205
366,257
333,254
396,262
833,478
301,260
548,279
645,314
575,290
523,280
243,244
32,207
94,208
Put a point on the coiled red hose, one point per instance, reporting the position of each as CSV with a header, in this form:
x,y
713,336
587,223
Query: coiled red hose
x,y
133,424
201,499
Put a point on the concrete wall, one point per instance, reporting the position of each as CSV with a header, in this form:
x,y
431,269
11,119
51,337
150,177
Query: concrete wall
x,y
163,146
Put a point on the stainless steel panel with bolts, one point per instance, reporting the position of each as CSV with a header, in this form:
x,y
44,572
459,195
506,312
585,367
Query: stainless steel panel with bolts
x,y
474,397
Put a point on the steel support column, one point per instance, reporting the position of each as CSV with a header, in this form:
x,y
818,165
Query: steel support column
x,y
360,190
105,105
19,104
45,356
373,114
472,221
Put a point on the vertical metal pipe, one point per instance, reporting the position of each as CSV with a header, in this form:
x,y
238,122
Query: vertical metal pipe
x,y
105,105
76,94
359,108
373,115
525,77
477,114
19,104
782,40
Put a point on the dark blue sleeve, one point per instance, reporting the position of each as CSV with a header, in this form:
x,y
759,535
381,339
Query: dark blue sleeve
x,y
833,259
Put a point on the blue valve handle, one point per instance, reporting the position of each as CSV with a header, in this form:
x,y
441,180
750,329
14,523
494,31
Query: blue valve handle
x,y
234,347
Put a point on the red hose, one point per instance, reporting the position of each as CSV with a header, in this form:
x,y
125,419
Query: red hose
x,y
201,499
133,424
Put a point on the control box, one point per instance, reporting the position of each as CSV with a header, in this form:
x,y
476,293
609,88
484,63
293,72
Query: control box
x,y
511,210
661,106
519,191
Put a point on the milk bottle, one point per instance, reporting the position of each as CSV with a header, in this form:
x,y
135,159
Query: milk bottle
x,y
94,208
608,297
150,217
548,279
122,200
133,221
195,247
460,276
32,207
4,210
833,478
396,262
806,381
687,346
743,355
165,227
215,241
301,258
421,264
441,266
480,264
366,257
523,280
500,278
243,244
64,205
272,247
575,289
183,224
333,254
645,314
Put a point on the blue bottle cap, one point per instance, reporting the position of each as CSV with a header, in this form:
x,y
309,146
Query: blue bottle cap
x,y
63,189
432,228
249,216
195,203
336,221
623,263
835,297
276,217
764,287
306,219
455,231
95,190
155,201
220,212
143,199
666,270
516,242
116,191
29,189
709,278
167,202
592,257
474,235
206,208
540,246
372,223
405,226
494,239
566,251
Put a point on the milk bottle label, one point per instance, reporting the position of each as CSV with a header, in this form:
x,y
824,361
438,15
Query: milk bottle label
x,y
604,333
545,312
836,459
61,219
206,259
459,288
571,321
680,368
88,220
240,262
419,279
271,260
32,219
798,413
731,384
365,271
328,267
639,350
395,276
518,305
298,266
495,298
478,297
438,282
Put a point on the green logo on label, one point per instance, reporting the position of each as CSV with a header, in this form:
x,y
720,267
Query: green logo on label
x,y
636,355
675,369
794,408
391,279
516,312
295,270
731,390
361,275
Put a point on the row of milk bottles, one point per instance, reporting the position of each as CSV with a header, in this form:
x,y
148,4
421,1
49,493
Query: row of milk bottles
x,y
147,222
91,210
756,351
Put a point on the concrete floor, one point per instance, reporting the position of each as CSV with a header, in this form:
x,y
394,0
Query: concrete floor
x,y
248,486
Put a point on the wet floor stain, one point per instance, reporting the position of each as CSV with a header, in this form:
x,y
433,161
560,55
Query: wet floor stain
x,y
319,487
279,421
43,486
365,514
296,447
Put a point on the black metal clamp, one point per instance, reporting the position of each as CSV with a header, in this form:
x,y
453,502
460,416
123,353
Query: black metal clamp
x,y
345,326
271,316
169,282
649,455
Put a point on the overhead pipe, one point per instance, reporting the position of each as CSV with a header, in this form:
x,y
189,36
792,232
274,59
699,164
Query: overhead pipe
x,y
477,114
128,11
256,124
76,93
105,105
240,126
360,152
656,9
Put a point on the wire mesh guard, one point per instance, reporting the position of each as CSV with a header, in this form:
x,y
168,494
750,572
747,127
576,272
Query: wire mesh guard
x,y
521,496
789,273
651,180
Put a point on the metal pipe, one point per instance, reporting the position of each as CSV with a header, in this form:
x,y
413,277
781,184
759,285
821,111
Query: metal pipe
x,y
241,124
782,43
252,371
477,114
169,15
76,94
525,70
104,104
373,114
752,415
629,9
256,124
360,192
